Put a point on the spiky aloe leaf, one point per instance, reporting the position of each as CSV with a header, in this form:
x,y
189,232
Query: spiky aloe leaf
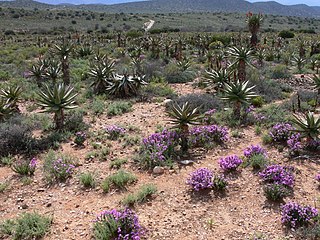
x,y
60,97
307,125
183,115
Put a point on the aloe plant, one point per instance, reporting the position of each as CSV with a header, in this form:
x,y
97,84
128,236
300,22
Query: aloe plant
x,y
308,126
11,95
38,72
238,93
64,51
217,78
181,118
125,85
6,109
57,100
241,58
102,75
254,22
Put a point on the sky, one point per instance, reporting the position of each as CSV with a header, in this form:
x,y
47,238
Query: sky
x,y
291,2
286,2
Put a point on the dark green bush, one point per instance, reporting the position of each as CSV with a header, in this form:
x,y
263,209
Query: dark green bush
x,y
286,34
203,102
15,137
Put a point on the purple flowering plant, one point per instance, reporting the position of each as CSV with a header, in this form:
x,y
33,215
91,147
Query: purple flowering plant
x,y
318,177
295,215
25,167
208,116
206,136
158,148
62,169
278,174
114,132
230,163
80,138
200,179
252,150
118,225
283,133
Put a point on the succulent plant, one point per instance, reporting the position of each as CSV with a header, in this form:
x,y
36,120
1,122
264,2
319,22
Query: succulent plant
x,y
57,100
238,93
182,117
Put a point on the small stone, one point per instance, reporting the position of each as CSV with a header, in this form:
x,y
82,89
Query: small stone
x,y
158,170
49,204
24,206
166,101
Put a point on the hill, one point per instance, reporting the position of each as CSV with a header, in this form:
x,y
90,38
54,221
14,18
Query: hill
x,y
166,6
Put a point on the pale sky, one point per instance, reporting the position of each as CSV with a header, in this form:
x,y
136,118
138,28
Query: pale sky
x,y
291,2
286,2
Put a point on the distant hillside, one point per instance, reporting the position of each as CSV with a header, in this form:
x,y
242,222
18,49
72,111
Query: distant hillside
x,y
164,6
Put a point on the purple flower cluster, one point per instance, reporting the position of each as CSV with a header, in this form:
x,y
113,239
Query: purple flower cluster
x,y
281,132
80,138
33,164
210,112
295,215
160,146
115,131
204,135
230,163
254,150
249,109
128,227
25,167
62,169
208,118
294,143
278,174
314,144
318,177
201,178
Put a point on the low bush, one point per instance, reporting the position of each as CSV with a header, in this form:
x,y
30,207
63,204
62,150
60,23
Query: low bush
x,y
118,180
145,192
118,108
27,226
276,192
116,224
15,137
58,167
87,180
203,102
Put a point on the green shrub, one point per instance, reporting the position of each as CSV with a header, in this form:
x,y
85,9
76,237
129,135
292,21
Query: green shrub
x,y
28,226
280,71
7,160
286,34
3,186
141,196
203,102
57,166
74,121
118,108
97,106
119,180
257,161
158,90
274,114
117,163
87,180
15,137
257,101
276,192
